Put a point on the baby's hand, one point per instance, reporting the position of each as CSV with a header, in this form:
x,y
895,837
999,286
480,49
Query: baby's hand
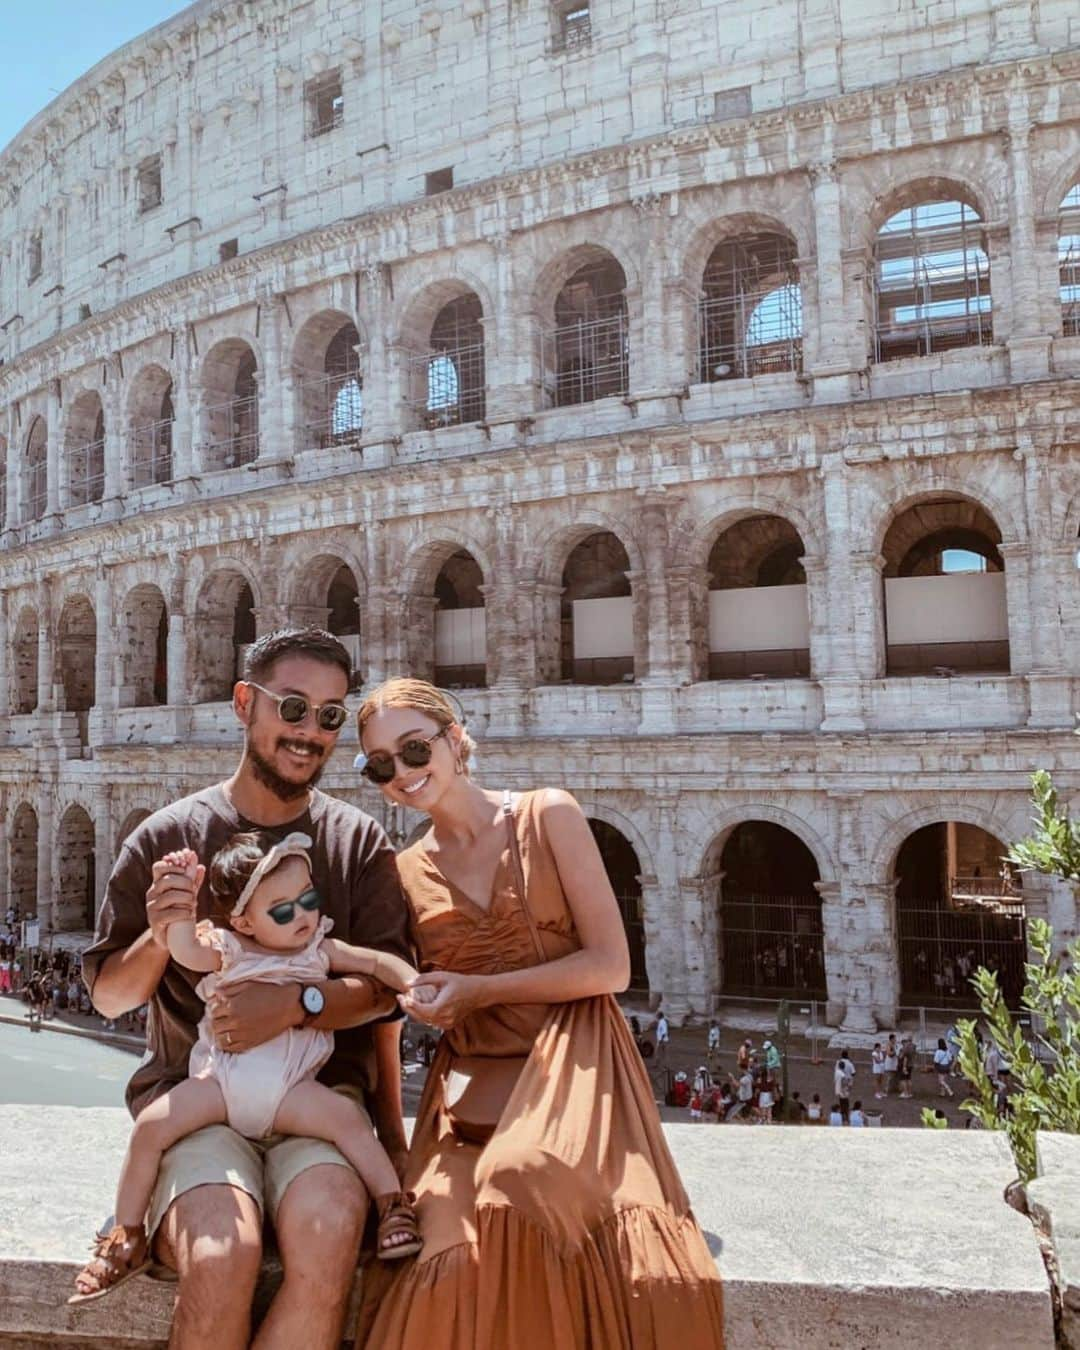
x,y
184,860
423,993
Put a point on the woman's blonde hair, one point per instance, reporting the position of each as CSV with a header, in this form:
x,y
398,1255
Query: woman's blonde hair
x,y
421,697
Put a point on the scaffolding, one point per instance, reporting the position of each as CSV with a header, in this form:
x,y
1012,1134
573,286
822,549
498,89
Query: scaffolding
x,y
333,406
750,311
37,473
587,354
1069,262
86,473
452,383
234,438
151,453
931,281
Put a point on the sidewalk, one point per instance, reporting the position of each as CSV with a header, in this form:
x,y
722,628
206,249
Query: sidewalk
x,y
90,1026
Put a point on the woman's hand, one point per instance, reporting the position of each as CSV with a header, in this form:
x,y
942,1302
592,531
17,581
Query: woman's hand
x,y
442,998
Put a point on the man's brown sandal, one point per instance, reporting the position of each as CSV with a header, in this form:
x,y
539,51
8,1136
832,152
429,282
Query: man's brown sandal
x,y
397,1215
119,1256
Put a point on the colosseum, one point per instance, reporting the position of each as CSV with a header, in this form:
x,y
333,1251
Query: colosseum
x,y
693,389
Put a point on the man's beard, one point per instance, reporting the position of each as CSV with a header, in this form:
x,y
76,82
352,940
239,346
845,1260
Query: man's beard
x,y
282,788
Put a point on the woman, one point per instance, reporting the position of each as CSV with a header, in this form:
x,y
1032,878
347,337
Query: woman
x,y
942,1066
555,1218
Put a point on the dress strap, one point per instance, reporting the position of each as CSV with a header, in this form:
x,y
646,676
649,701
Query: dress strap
x,y
519,873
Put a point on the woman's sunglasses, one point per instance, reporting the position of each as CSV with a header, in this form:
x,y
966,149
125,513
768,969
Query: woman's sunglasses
x,y
380,768
285,911
293,708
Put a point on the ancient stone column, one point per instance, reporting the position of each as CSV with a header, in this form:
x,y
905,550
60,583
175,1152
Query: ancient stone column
x,y
185,407
1029,341
55,449
46,856
46,648
105,681
103,842
5,660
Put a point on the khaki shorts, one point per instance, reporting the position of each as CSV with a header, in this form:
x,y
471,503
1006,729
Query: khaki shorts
x,y
218,1156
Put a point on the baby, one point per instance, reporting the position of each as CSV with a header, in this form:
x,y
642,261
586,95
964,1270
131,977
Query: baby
x,y
274,933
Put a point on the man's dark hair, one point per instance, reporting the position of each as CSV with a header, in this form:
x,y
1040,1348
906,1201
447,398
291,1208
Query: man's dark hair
x,y
314,643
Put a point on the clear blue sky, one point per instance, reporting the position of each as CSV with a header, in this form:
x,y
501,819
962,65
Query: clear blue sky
x,y
45,45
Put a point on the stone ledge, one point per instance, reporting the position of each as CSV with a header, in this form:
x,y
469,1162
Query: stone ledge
x,y
826,1239
1054,1199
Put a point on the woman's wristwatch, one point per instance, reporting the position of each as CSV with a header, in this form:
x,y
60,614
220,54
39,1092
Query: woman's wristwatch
x,y
312,1002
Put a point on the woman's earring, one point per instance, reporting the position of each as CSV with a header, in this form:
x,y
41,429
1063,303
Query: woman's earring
x,y
459,767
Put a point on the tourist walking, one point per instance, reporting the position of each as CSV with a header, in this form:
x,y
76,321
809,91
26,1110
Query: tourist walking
x,y
663,1041
892,1063
843,1079
905,1066
877,1068
942,1065
551,1210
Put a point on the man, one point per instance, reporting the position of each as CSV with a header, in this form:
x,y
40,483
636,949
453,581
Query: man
x,y
843,1078
214,1186
663,1040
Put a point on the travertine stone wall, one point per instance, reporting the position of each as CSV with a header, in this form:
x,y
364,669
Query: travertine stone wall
x,y
664,136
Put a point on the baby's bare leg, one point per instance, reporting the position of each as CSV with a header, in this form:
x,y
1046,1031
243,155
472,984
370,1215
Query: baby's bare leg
x,y
314,1110
184,1109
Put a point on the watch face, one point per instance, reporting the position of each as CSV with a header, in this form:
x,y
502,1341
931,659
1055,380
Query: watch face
x,y
313,1000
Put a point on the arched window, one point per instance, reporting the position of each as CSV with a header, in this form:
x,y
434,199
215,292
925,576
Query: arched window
x,y
37,471
232,408
329,382
152,418
460,628
945,598
1069,261
455,364
84,451
597,613
759,622
932,281
75,900
587,354
750,311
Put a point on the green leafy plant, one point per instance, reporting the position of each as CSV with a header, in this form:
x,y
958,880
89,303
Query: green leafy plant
x,y
1045,1066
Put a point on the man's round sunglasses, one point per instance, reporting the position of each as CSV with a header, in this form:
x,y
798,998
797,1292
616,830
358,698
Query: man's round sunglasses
x,y
283,912
380,767
293,708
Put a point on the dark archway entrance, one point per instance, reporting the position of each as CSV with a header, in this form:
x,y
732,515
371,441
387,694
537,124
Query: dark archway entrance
x,y
772,941
624,873
958,906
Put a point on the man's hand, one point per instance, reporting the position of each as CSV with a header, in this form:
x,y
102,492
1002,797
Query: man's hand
x,y
247,1014
171,897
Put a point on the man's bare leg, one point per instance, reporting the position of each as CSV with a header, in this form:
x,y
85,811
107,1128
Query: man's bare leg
x,y
212,1237
319,1224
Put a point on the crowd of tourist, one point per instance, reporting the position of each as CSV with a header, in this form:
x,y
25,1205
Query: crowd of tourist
x,y
50,982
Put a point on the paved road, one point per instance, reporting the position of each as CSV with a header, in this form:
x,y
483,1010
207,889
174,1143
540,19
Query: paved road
x,y
46,1069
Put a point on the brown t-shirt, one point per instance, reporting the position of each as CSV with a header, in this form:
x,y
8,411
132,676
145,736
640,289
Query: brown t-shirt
x,y
353,868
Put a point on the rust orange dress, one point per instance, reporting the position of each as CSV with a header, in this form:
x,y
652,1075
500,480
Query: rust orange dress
x,y
569,1229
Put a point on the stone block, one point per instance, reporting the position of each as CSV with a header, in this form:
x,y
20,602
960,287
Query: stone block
x,y
1054,1197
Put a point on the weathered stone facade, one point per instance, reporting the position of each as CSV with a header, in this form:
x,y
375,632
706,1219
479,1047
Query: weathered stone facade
x,y
225,305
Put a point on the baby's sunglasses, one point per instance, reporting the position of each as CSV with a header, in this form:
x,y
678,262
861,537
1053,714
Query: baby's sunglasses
x,y
380,768
293,708
285,910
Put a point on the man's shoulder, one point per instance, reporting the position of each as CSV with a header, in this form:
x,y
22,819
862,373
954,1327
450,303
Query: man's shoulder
x,y
178,816
342,819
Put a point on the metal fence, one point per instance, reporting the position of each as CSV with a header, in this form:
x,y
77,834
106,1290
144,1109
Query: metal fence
x,y
452,383
588,360
151,453
234,438
86,473
333,410
773,945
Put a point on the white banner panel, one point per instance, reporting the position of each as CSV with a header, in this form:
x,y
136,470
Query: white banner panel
x,y
965,608
759,619
604,627
461,637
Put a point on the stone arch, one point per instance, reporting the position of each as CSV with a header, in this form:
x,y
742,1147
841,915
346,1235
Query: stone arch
x,y
24,686
1063,177
749,307
3,481
583,298
958,905
875,524
1068,248
23,860
597,612
84,449
561,264
443,330
151,417
143,648
327,367
224,628
909,191
944,589
757,615
74,909
327,592
446,631
709,842
130,824
924,302
624,871
229,387
77,653
1010,823
764,883
36,472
